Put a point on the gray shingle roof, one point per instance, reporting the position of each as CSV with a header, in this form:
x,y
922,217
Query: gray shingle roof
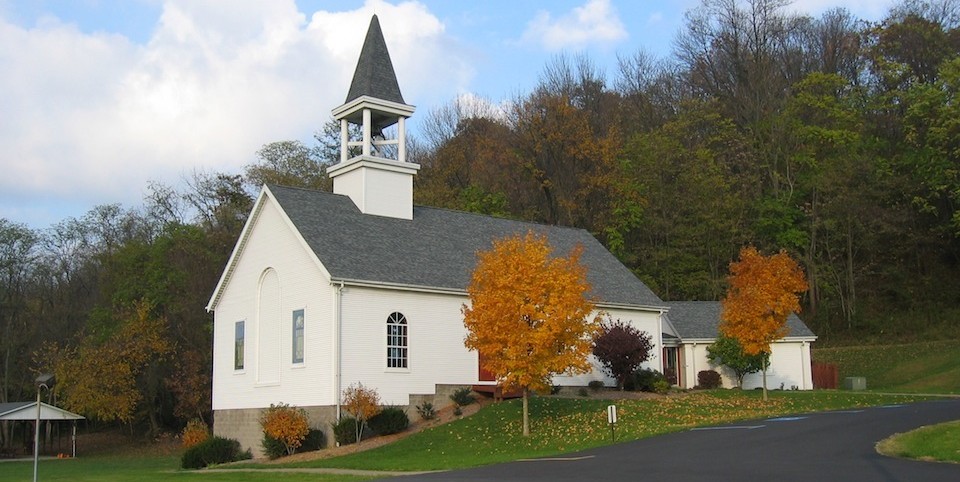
x,y
374,75
701,319
437,249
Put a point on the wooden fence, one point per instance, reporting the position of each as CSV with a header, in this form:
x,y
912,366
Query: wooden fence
x,y
825,375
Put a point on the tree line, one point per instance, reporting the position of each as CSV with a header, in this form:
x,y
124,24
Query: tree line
x,y
832,138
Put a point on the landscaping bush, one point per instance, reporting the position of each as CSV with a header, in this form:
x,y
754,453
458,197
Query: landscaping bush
x,y
583,392
595,385
363,403
284,424
273,448
426,411
661,386
390,420
195,432
315,440
708,379
645,379
345,430
462,397
214,450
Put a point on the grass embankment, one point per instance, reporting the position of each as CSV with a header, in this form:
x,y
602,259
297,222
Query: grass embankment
x,y
567,425
928,367
934,443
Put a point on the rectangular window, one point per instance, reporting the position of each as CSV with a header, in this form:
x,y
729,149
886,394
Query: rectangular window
x,y
298,336
238,346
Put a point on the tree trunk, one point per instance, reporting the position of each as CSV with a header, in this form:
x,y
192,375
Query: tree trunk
x,y
526,413
765,382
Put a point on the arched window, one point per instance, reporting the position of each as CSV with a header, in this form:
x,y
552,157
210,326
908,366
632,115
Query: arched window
x,y
396,341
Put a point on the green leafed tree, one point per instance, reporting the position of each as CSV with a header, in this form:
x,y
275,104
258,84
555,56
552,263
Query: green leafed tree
x,y
728,352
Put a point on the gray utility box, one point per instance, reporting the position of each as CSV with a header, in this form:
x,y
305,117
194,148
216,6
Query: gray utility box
x,y
855,383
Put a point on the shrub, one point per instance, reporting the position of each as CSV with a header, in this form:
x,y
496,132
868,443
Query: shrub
x,y
214,450
389,420
363,403
462,396
286,424
595,385
345,430
195,432
457,410
621,348
661,386
555,389
645,379
583,392
426,411
708,379
315,440
273,448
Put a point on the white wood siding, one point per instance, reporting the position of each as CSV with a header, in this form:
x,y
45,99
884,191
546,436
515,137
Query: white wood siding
x,y
789,365
302,285
435,335
645,321
381,192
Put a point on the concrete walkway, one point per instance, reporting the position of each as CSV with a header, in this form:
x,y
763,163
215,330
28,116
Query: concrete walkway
x,y
371,473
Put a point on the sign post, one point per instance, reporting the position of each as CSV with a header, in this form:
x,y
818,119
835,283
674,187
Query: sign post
x,y
612,420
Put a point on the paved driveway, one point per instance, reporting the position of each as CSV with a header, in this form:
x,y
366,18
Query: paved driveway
x,y
813,447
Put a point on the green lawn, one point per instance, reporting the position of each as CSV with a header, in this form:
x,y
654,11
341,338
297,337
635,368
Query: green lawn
x,y
930,367
142,468
937,442
566,425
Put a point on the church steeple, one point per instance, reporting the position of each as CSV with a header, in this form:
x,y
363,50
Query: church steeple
x,y
374,75
378,180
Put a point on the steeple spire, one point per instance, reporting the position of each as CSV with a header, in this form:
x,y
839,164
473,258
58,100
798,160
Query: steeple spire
x,y
374,75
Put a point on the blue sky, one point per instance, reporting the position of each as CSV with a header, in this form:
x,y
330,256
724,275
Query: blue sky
x,y
100,97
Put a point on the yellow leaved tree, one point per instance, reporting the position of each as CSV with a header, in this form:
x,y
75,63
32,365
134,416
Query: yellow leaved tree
x,y
763,292
529,314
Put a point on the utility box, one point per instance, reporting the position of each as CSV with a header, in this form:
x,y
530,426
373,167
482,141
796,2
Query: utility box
x,y
855,383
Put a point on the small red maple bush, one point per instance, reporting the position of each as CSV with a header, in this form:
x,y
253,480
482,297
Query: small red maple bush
x,y
621,348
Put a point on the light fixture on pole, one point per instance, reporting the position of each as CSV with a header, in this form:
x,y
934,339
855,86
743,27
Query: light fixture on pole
x,y
43,381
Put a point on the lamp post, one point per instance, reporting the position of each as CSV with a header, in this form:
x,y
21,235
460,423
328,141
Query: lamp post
x,y
43,381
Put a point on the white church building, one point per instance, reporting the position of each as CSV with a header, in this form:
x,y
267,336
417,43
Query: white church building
x,y
324,290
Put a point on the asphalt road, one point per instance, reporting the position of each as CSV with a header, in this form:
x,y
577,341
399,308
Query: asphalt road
x,y
812,447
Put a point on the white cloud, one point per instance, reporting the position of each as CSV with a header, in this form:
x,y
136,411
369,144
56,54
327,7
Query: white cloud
x,y
596,21
90,118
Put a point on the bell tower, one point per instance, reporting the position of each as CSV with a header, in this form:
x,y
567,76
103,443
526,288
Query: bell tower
x,y
379,179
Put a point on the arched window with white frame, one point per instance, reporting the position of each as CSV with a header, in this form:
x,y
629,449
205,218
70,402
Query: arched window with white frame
x,y
396,340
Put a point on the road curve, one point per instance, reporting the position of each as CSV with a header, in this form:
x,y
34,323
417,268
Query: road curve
x,y
837,445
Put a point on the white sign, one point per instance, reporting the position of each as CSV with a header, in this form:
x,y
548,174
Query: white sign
x,y
612,414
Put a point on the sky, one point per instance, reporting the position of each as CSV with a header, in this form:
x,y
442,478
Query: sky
x,y
99,98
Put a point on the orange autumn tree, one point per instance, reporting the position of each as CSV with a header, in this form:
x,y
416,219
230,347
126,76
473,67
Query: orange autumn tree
x,y
764,291
528,314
